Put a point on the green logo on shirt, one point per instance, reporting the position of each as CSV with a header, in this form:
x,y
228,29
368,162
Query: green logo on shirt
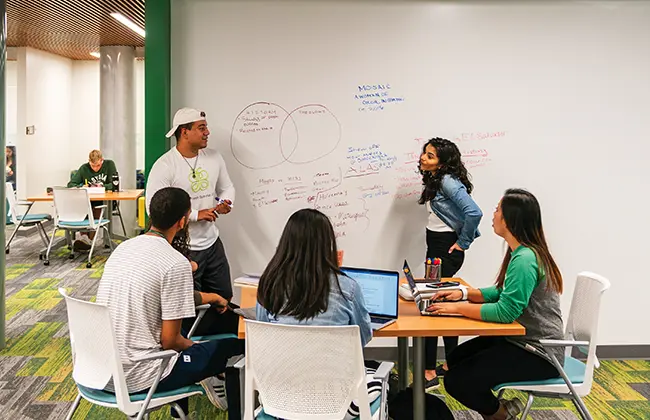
x,y
199,180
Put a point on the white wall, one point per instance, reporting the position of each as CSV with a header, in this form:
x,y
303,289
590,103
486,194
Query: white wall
x,y
85,108
84,116
10,101
44,101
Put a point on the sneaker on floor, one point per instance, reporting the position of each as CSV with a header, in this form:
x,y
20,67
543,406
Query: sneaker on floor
x,y
215,389
440,371
513,407
431,384
82,244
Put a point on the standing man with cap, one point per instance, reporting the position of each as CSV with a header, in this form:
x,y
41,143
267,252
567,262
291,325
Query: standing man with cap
x,y
202,173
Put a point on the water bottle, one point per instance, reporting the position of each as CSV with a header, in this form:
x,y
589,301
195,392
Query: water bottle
x,y
116,182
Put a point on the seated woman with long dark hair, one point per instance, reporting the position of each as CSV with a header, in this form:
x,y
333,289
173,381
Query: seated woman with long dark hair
x,y
527,290
303,285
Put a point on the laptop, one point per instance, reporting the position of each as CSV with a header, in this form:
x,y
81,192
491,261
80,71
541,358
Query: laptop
x,y
422,303
380,291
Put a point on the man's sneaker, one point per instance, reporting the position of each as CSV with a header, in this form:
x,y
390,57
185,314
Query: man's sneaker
x,y
440,371
513,408
215,389
82,244
431,384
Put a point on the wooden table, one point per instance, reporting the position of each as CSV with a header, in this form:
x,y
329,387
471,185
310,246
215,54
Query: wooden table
x,y
411,324
108,196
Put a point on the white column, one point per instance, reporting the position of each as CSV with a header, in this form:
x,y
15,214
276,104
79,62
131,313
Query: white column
x,y
117,121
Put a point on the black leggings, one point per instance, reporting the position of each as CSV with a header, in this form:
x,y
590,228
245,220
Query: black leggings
x,y
438,244
478,365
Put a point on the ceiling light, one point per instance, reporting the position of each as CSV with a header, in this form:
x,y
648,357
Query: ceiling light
x,y
95,54
128,23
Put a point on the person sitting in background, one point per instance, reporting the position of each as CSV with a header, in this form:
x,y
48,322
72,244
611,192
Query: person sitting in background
x,y
96,172
303,285
527,290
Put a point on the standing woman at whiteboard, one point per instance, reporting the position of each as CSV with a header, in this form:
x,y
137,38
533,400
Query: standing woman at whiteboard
x,y
452,226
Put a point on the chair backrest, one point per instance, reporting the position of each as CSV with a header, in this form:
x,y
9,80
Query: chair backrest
x,y
72,205
582,324
11,200
305,372
95,355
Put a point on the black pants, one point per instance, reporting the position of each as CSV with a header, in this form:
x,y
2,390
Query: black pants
x,y
213,274
478,365
438,244
202,361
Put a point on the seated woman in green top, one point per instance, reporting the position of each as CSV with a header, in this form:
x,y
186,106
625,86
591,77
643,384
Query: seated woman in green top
x,y
527,290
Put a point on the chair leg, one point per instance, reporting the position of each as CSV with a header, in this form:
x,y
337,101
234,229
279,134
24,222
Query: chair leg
x,y
529,405
581,407
108,236
49,248
13,234
41,232
75,404
119,213
179,411
92,247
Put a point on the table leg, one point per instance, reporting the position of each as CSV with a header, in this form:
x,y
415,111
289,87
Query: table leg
x,y
418,379
110,218
402,362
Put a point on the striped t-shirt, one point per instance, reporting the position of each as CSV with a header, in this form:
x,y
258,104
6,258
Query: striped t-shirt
x,y
145,281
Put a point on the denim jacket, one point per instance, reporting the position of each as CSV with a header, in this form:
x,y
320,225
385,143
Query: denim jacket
x,y
454,206
348,308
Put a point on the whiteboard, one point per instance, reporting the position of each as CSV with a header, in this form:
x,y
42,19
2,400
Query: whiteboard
x,y
327,104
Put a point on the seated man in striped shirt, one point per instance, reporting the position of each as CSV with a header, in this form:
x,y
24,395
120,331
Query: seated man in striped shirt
x,y
148,288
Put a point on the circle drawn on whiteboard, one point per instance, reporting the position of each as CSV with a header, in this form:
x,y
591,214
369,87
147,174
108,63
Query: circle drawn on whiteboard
x,y
315,132
255,135
265,135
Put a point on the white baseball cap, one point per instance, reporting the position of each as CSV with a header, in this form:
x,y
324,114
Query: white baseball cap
x,y
184,116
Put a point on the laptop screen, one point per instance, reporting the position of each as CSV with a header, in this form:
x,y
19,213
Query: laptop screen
x,y
411,282
380,289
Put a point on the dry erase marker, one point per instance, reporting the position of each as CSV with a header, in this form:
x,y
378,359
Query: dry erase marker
x,y
222,201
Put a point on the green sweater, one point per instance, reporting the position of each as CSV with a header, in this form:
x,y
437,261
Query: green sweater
x,y
525,298
85,174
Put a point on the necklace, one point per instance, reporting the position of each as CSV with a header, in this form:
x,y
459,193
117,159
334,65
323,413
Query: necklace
x,y
193,168
156,233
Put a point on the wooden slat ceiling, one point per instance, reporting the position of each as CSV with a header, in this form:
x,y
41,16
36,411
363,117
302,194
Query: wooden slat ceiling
x,y
72,28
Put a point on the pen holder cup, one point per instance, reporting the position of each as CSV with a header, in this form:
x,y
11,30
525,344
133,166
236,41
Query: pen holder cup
x,y
435,273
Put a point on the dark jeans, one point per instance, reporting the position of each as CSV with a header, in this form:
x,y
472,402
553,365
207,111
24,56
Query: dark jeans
x,y
478,365
202,361
438,244
213,274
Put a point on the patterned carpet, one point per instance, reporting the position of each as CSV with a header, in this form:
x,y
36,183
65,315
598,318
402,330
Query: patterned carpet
x,y
35,367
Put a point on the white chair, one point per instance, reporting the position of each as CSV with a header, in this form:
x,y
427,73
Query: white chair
x,y
581,331
74,213
96,359
25,219
308,373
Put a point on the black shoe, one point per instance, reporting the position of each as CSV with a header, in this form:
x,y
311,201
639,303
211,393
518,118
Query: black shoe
x,y
440,371
432,384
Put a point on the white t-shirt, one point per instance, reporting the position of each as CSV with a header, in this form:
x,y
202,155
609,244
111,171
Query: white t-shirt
x,y
145,281
435,223
211,180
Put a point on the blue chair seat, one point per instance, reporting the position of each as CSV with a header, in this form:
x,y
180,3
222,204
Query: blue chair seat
x,y
574,368
34,217
83,223
109,398
212,337
374,406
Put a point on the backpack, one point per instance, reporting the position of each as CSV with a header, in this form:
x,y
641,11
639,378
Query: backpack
x,y
400,407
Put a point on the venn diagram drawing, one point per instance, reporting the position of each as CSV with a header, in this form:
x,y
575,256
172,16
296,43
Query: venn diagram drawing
x,y
265,135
